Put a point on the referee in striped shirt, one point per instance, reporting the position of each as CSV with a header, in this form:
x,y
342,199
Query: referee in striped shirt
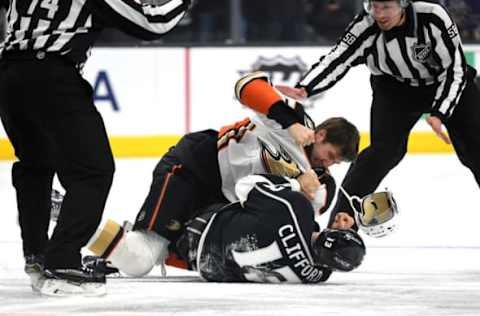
x,y
417,65
48,113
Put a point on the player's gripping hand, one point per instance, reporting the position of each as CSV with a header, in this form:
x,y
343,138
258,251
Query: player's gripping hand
x,y
343,221
309,183
302,135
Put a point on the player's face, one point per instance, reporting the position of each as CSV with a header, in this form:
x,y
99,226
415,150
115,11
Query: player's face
x,y
324,154
387,14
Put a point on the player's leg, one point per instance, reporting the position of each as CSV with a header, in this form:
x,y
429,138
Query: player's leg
x,y
462,128
172,200
134,253
392,117
185,180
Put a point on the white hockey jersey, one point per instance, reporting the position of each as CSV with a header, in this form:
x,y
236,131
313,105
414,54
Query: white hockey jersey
x,y
260,145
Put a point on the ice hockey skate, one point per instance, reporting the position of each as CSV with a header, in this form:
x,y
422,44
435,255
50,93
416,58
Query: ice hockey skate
x,y
71,282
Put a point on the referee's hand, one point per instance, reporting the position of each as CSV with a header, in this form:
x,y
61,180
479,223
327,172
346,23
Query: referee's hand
x,y
295,93
436,125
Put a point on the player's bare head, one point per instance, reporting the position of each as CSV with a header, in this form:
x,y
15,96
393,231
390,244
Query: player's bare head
x,y
341,250
387,13
342,134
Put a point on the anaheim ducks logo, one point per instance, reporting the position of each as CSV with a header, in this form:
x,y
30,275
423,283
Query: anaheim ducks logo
x,y
277,161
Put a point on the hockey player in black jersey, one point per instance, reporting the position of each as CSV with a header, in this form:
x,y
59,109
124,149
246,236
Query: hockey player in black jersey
x,y
269,235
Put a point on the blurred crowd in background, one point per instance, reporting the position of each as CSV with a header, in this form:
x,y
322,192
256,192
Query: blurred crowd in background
x,y
277,22
265,22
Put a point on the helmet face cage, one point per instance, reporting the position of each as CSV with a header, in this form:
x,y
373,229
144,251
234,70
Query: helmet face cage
x,y
367,4
341,250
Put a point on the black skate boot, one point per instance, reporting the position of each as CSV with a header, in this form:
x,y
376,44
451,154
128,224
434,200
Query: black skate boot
x,y
72,282
99,265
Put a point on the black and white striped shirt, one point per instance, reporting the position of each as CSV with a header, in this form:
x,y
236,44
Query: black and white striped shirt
x,y
70,27
426,50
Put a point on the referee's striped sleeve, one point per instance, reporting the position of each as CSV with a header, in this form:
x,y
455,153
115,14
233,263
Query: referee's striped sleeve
x,y
142,18
449,49
348,51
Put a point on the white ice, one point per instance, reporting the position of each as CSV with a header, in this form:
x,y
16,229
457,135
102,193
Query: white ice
x,y
431,266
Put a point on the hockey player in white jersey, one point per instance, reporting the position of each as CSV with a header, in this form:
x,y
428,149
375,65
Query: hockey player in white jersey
x,y
279,138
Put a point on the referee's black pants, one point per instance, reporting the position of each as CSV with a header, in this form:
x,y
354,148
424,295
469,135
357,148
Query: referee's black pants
x,y
48,113
396,107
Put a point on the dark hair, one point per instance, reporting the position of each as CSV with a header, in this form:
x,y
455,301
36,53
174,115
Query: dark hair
x,y
342,134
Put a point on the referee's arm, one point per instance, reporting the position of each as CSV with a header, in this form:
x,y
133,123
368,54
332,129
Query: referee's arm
x,y
3,18
145,19
348,52
449,50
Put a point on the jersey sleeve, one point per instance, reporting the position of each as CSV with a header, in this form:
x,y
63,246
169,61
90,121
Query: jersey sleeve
x,y
145,19
348,52
449,50
246,184
256,92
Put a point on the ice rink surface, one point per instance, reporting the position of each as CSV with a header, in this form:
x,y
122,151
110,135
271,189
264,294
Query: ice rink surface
x,y
431,266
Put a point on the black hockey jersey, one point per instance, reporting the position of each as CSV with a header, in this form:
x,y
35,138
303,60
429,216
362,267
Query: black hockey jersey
x,y
266,237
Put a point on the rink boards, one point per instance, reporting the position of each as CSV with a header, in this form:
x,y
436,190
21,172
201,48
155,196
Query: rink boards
x,y
148,97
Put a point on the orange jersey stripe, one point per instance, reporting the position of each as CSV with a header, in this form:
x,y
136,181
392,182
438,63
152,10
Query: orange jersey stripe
x,y
162,194
259,96
235,126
